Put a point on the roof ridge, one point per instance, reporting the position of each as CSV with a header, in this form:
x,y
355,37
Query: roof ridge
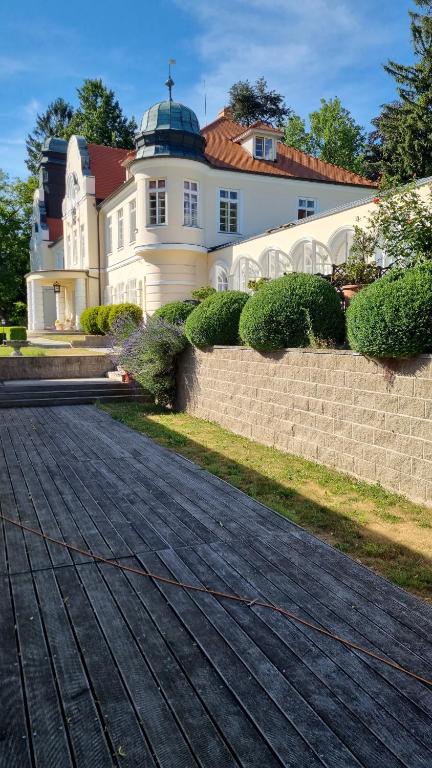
x,y
327,162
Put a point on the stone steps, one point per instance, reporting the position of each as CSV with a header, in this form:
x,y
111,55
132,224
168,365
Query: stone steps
x,y
27,393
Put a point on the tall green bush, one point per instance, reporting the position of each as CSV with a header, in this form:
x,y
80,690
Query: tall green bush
x,y
132,311
175,312
103,318
290,312
89,321
216,319
14,332
393,316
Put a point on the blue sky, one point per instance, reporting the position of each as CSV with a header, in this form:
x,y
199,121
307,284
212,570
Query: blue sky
x,y
306,50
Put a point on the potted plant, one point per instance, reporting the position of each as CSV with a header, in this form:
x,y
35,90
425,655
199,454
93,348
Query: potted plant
x,y
360,268
68,324
59,325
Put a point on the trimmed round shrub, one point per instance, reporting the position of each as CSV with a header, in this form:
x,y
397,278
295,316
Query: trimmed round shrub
x,y
216,319
393,316
293,311
126,311
89,321
203,293
16,333
175,312
103,318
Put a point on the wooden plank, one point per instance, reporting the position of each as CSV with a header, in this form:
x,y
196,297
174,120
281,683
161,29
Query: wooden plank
x,y
250,749
47,724
206,743
14,732
47,521
342,623
360,687
167,740
296,657
121,721
84,725
254,688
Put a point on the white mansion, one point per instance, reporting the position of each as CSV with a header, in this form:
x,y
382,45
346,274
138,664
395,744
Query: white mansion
x,y
185,208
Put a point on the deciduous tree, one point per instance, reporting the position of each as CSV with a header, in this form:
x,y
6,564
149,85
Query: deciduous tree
x,y
16,199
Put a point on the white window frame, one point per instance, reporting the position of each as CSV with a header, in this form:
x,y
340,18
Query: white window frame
x,y
157,189
108,235
190,203
266,151
68,251
308,206
120,229
132,221
225,195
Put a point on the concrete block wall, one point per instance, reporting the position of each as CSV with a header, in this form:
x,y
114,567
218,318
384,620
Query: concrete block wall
x,y
370,419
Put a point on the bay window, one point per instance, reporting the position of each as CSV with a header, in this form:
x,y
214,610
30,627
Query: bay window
x,y
132,221
190,204
157,202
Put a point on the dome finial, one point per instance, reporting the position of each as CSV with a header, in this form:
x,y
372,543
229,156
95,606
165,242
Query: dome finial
x,y
170,82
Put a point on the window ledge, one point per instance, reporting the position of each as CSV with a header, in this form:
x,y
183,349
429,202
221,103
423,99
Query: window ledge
x,y
191,226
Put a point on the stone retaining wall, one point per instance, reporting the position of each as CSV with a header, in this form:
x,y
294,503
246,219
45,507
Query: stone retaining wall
x,y
360,416
55,367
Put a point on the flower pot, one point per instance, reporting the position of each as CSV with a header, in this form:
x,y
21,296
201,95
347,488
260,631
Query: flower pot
x,y
348,291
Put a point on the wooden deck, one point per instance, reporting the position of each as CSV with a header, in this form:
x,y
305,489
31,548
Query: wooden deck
x,y
101,668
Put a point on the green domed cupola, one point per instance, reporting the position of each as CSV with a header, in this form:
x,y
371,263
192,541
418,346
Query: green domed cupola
x,y
170,129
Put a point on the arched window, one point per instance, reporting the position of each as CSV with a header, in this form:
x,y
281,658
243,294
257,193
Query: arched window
x,y
245,269
340,244
219,276
275,263
311,257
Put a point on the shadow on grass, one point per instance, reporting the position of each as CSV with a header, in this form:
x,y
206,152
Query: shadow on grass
x,y
335,507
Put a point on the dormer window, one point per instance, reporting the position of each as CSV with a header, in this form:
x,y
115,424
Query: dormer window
x,y
264,148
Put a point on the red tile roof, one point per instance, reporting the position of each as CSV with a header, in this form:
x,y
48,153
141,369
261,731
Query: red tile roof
x,y
222,151
257,126
55,228
106,166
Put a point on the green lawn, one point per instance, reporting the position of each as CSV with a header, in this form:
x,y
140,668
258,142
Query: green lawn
x,y
391,535
49,351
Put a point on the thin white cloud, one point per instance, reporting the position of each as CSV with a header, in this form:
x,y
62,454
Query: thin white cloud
x,y
304,50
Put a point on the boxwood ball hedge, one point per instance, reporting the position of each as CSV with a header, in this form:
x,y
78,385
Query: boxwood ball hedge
x,y
286,312
175,312
393,316
216,319
89,321
126,310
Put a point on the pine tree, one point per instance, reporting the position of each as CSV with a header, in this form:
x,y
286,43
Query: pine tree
x,y
100,119
402,141
53,122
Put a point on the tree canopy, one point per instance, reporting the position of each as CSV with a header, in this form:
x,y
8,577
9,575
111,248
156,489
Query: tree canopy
x,y
252,102
98,117
53,122
334,135
401,144
16,201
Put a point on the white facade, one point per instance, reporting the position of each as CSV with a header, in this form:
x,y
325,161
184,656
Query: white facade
x,y
151,240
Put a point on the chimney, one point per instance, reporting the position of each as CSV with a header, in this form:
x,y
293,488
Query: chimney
x,y
226,112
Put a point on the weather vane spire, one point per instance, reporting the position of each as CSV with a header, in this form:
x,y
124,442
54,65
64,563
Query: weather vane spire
x,y
170,82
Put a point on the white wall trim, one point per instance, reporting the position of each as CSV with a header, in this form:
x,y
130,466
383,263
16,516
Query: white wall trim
x,y
171,247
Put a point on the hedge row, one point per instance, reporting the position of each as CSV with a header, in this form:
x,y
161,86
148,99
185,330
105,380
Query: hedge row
x,y
100,319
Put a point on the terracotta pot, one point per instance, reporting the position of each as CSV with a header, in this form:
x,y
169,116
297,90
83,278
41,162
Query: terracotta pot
x,y
348,291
